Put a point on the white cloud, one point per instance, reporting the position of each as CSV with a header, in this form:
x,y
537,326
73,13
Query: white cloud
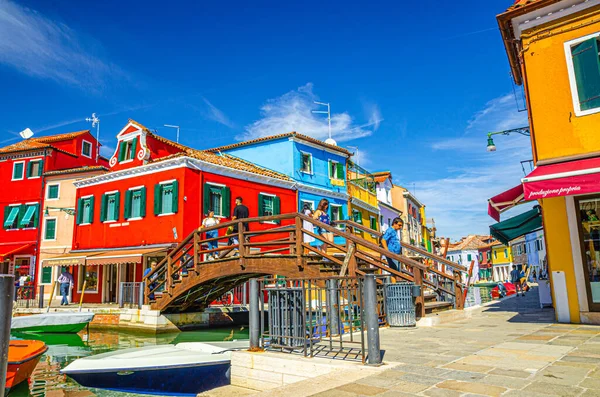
x,y
293,112
217,115
38,46
458,201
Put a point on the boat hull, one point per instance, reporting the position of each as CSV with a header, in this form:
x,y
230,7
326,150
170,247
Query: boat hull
x,y
20,368
55,329
174,381
57,323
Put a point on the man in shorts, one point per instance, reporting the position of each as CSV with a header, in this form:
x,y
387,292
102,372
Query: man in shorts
x,y
515,278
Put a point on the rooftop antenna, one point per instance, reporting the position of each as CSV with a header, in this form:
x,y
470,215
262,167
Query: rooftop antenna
x,y
355,153
26,133
328,113
95,123
174,126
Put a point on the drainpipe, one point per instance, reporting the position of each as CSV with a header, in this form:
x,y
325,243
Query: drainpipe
x,y
40,223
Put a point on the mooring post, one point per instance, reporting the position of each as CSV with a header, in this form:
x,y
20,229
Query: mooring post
x,y
41,297
254,315
371,320
141,294
333,303
121,289
7,292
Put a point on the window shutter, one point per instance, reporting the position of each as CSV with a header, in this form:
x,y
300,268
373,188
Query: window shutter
x,y
29,165
22,211
133,148
121,151
276,207
6,213
36,215
127,210
92,209
50,229
261,205
157,198
340,171
79,211
206,199
586,66
226,197
143,202
103,202
329,169
117,206
41,168
175,197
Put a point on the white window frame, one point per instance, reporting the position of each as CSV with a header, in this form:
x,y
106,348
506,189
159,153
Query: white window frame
x,y
312,170
219,185
48,191
128,152
16,219
311,202
371,217
108,194
270,195
341,212
134,189
46,219
12,177
84,198
40,164
83,142
572,79
170,181
329,162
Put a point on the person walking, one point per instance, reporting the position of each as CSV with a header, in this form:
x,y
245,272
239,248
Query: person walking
x,y
66,283
240,212
515,279
322,215
391,242
152,284
306,225
209,221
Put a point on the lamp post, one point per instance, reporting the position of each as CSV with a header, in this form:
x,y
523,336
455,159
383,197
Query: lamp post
x,y
491,147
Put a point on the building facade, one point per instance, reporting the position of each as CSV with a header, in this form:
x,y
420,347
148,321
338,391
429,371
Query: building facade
x,y
553,46
22,168
501,262
387,212
518,247
536,251
411,215
156,193
486,262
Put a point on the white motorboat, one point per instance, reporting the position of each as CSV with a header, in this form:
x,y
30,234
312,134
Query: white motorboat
x,y
57,322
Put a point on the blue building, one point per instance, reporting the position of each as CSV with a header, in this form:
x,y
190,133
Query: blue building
x,y
318,168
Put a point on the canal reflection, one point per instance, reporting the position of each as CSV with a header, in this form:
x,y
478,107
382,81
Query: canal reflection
x,y
63,349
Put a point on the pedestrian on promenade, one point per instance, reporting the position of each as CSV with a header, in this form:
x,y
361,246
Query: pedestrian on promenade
x,y
152,285
240,212
322,215
306,225
515,278
66,283
209,221
391,242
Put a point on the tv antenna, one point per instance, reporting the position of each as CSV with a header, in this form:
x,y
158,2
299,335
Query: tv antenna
x,y
95,123
328,113
26,133
174,126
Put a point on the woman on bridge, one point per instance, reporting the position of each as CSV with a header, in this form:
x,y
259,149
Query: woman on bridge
x,y
322,215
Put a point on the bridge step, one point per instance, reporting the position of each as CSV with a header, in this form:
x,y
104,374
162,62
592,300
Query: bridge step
x,y
436,307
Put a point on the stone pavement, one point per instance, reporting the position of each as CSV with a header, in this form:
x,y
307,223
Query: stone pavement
x,y
509,348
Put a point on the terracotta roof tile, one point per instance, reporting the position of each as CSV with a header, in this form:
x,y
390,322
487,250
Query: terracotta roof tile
x,y
42,142
77,170
279,136
471,242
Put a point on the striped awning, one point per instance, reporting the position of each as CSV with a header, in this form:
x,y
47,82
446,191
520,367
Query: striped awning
x,y
121,257
70,259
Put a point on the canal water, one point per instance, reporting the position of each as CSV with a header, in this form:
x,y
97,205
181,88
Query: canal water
x,y
65,348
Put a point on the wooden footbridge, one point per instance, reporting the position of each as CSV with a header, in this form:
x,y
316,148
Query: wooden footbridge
x,y
193,275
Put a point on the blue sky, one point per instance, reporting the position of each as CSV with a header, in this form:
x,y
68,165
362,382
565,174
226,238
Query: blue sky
x,y
415,86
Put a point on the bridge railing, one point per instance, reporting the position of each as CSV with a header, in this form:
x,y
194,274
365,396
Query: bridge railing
x,y
305,239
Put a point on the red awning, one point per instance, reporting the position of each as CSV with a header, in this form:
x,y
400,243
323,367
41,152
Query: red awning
x,y
563,179
505,201
11,249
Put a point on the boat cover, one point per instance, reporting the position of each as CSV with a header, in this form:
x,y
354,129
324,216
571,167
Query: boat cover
x,y
48,319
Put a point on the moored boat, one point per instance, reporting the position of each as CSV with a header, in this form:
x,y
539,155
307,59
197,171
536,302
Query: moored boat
x,y
182,369
58,322
23,356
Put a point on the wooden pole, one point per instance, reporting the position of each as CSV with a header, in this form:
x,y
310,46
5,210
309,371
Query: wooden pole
x,y
82,294
7,295
54,286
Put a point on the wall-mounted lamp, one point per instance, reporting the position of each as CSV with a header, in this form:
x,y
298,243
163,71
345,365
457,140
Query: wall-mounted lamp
x,y
491,147
68,210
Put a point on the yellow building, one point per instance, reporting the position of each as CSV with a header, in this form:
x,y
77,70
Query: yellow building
x,y
58,221
501,262
553,47
363,206
426,232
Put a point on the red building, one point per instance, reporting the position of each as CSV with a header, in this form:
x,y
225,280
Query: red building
x,y
22,166
156,193
486,261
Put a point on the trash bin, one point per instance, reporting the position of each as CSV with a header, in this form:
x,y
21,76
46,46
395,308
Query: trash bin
x,y
400,305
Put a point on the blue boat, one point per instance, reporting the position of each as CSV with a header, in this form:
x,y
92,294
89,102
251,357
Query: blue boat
x,y
184,369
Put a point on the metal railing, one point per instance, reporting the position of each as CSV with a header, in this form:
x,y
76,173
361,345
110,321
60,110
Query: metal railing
x,y
322,317
131,294
236,296
26,297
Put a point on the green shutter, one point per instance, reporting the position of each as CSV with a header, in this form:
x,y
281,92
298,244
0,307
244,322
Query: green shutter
x,y
103,204
469,257
29,165
22,211
79,211
127,210
329,169
276,207
261,205
122,151
36,215
206,199
50,232
226,197
41,168
133,146
6,214
157,198
175,197
143,202
17,170
91,209
586,66
340,171
46,275
117,213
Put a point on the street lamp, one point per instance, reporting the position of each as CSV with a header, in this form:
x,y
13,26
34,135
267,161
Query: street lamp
x,y
491,147
68,210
